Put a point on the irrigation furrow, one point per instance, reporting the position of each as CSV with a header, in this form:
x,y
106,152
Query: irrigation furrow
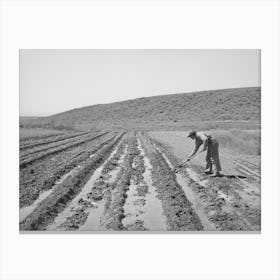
x,y
94,219
56,202
24,155
31,152
85,210
220,205
143,209
248,164
50,152
126,181
190,195
40,176
176,206
54,140
117,193
27,210
247,170
39,137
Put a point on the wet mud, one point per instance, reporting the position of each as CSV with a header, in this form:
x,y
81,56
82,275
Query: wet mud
x,y
50,207
224,200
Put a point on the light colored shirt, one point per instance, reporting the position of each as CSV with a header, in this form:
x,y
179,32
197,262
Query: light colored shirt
x,y
201,138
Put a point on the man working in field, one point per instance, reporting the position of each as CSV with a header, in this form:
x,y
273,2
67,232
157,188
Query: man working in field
x,y
211,145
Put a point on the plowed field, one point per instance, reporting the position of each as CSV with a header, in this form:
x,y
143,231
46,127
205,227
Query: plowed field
x,y
124,181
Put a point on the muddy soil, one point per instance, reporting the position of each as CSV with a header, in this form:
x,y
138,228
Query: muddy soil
x,y
127,183
117,194
181,146
177,208
50,207
40,154
85,211
230,203
143,208
27,145
42,175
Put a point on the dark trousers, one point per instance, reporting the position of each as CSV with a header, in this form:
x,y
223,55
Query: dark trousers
x,y
212,156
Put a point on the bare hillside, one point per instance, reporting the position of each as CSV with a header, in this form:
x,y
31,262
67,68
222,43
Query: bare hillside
x,y
216,105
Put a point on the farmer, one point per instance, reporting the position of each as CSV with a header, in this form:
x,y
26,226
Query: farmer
x,y
212,156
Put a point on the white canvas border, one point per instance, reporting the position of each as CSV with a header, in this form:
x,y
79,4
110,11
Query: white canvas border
x,y
156,24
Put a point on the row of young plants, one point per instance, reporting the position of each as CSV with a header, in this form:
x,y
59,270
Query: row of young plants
x,y
177,208
100,188
51,139
225,215
49,208
57,149
41,175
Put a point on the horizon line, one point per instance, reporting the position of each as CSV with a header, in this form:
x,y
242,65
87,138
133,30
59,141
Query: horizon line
x,y
36,115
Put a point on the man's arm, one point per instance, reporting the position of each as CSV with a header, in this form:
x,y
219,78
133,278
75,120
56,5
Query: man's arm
x,y
197,145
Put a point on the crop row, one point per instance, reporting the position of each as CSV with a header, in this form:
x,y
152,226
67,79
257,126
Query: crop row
x,y
41,175
49,208
57,149
27,139
48,140
40,149
221,203
177,208
116,195
100,187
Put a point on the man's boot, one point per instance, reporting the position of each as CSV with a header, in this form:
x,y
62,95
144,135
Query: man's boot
x,y
217,174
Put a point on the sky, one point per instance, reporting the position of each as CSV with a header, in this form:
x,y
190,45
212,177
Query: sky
x,y
54,81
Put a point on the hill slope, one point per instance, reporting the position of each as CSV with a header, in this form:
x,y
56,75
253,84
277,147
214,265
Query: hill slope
x,y
214,105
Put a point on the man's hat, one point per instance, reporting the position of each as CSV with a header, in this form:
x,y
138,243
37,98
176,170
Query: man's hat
x,y
192,133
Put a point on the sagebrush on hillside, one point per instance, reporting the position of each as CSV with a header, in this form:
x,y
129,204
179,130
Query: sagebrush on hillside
x,y
215,105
